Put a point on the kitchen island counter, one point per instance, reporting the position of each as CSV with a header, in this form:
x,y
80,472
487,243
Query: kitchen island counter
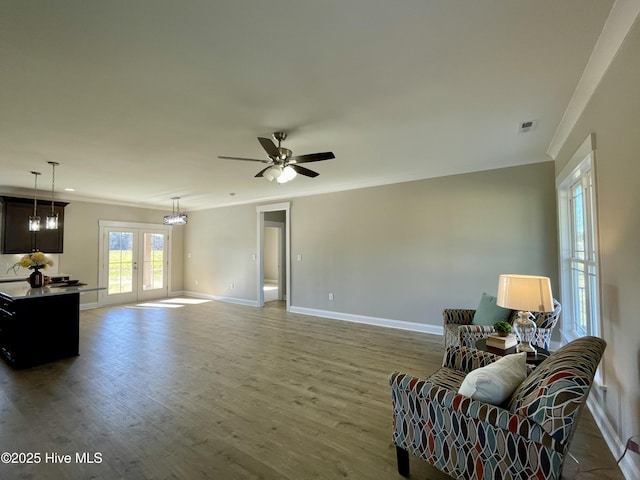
x,y
21,290
39,325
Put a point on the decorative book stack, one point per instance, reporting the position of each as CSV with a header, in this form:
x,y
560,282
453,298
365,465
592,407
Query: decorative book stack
x,y
502,343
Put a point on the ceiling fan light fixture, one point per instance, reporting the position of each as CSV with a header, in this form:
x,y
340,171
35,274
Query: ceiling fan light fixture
x,y
288,174
273,173
282,165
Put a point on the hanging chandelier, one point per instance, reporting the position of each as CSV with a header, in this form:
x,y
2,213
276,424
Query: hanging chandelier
x,y
176,218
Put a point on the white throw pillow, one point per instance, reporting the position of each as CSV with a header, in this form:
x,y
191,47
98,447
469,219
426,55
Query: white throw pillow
x,y
496,382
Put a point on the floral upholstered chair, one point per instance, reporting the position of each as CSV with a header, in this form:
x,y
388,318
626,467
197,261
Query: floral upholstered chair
x,y
526,436
459,329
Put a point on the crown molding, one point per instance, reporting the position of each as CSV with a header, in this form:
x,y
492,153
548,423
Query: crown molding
x,y
621,20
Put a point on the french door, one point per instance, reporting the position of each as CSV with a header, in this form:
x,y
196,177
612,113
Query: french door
x,y
134,263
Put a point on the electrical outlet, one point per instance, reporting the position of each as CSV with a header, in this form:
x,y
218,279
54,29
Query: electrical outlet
x,y
633,446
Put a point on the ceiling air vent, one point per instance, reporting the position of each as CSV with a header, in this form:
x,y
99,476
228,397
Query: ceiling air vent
x,y
527,126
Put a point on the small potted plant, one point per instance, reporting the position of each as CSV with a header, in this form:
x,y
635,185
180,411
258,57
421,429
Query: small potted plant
x,y
502,328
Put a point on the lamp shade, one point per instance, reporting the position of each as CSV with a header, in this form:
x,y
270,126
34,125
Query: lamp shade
x,y
525,292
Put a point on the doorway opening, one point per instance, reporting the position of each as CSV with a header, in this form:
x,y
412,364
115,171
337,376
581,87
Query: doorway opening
x,y
273,265
273,281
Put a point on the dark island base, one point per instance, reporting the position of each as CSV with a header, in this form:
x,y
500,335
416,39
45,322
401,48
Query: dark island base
x,y
37,330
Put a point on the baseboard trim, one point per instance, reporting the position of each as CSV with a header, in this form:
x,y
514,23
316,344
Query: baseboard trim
x,y
89,306
237,301
347,317
611,438
376,321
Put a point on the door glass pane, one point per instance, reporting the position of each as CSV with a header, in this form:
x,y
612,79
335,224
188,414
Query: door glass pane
x,y
120,262
153,265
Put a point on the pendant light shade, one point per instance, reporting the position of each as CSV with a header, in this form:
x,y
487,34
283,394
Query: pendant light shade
x,y
34,220
176,218
51,223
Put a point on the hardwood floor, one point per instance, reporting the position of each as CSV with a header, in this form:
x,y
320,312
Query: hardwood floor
x,y
222,391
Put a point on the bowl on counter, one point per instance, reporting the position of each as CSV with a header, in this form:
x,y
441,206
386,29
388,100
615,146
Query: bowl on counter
x,y
72,282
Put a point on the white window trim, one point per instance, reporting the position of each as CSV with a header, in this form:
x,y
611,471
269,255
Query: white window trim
x,y
584,159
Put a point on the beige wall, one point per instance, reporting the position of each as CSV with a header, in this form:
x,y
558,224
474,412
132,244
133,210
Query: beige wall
x,y
399,252
614,116
406,251
219,245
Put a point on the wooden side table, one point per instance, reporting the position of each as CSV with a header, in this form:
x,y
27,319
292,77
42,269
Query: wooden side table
x,y
531,359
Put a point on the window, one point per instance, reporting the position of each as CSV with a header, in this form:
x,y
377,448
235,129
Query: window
x,y
578,245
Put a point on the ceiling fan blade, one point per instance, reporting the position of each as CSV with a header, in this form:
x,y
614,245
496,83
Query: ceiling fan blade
x,y
304,171
261,172
313,157
245,159
269,146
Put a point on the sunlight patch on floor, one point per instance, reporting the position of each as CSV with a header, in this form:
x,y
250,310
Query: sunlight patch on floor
x,y
170,303
186,301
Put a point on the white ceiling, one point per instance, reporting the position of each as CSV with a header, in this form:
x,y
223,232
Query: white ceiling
x,y
136,99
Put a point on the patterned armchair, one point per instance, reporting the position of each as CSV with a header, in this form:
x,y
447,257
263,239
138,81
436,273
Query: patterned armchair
x,y
458,329
526,437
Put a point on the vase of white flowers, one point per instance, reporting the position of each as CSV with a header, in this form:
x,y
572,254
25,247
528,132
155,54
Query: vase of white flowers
x,y
35,261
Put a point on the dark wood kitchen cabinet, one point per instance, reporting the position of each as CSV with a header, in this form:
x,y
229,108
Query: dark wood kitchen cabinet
x,y
40,329
16,237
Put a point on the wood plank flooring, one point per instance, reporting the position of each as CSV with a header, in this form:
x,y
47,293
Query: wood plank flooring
x,y
221,391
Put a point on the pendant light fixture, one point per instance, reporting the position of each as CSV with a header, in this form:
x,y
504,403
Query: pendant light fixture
x,y
176,218
51,223
34,220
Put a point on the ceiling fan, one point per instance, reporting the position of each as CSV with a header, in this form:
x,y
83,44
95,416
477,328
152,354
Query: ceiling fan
x,y
283,165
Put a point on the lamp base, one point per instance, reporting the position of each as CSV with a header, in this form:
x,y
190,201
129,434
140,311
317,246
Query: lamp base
x,y
525,329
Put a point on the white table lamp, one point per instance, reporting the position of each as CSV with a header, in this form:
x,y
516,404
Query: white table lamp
x,y
525,293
